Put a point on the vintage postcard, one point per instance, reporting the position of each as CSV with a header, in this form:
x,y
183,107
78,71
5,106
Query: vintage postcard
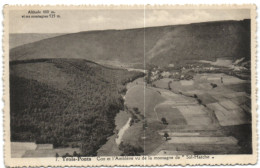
x,y
130,85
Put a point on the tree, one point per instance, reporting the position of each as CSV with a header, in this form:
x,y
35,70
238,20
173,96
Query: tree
x,y
213,85
164,121
169,85
166,135
199,101
129,150
75,153
66,155
148,77
136,110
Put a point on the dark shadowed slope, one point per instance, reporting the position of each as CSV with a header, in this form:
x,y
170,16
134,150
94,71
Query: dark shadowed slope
x,y
163,45
206,41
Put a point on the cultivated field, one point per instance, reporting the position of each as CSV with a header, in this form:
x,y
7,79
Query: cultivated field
x,y
213,119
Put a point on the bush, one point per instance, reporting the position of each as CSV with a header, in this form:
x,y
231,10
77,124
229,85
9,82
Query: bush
x,y
199,101
129,150
213,85
164,121
166,135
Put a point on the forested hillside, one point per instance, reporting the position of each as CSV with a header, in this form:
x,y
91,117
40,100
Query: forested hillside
x,y
163,45
66,102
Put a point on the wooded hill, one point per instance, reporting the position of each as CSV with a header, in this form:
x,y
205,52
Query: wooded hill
x,y
163,45
66,102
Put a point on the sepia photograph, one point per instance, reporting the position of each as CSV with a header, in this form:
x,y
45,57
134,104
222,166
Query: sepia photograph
x,y
130,81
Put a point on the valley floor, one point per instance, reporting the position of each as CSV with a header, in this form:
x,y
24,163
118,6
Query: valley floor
x,y
200,119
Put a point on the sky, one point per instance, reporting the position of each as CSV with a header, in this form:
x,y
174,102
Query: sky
x,y
71,21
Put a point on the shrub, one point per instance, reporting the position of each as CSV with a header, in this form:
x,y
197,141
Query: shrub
x,y
129,150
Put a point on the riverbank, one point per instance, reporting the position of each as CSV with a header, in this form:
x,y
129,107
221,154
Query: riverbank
x,y
122,122
122,131
110,148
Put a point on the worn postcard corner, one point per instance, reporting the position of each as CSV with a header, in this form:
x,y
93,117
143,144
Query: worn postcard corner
x,y
130,85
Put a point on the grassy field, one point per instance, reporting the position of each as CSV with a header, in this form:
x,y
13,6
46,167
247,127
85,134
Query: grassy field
x,y
50,152
121,119
172,115
145,101
18,149
135,97
152,98
207,98
30,149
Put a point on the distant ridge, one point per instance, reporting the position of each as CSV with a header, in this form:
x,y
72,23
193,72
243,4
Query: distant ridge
x,y
17,39
163,45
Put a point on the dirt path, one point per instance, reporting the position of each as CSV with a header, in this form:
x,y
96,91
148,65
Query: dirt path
x,y
122,131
